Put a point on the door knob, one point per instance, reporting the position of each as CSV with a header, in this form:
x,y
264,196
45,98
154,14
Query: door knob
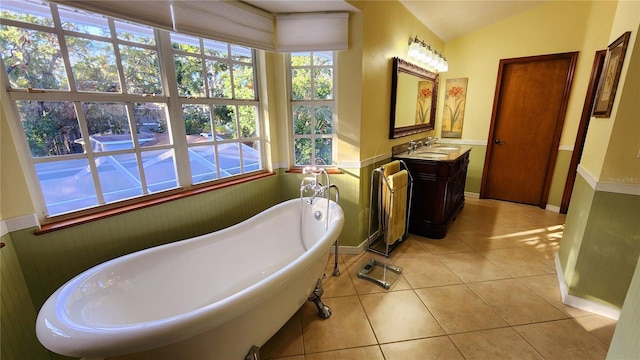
x,y
499,142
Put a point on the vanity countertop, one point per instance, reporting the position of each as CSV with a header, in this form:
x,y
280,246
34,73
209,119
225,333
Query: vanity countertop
x,y
437,152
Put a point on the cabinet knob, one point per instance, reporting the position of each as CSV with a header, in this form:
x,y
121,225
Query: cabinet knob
x,y
499,142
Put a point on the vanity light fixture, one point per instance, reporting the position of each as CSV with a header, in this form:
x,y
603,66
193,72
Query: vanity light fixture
x,y
422,52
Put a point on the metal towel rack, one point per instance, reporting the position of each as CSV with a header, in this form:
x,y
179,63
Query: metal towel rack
x,y
376,239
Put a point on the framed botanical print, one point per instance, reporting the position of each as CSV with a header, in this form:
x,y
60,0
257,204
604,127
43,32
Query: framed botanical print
x,y
610,75
454,104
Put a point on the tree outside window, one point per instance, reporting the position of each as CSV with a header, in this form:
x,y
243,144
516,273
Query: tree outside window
x,y
312,107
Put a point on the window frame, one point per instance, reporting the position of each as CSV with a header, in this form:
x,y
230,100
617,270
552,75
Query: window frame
x,y
176,128
333,103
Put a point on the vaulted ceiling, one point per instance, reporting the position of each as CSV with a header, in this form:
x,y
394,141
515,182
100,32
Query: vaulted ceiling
x,y
448,19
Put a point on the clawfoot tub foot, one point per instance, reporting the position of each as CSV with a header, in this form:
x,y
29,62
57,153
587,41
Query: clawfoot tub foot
x,y
323,310
253,354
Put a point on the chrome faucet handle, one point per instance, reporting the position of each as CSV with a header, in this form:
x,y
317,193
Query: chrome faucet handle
x,y
310,170
413,145
315,172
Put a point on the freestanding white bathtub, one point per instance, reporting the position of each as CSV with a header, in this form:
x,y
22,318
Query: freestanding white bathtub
x,y
210,297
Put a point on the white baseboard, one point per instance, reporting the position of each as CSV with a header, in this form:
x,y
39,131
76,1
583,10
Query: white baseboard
x,y
471,195
350,250
580,303
553,208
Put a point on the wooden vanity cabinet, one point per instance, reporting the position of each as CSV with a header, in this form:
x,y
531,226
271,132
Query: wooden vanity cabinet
x,y
438,194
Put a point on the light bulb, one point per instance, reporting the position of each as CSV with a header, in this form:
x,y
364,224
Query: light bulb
x,y
423,54
429,55
434,59
414,50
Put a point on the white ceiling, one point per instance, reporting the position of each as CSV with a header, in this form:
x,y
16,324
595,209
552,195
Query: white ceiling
x,y
453,18
448,19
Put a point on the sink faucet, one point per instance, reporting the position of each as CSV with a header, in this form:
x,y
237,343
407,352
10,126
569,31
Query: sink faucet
x,y
413,145
430,141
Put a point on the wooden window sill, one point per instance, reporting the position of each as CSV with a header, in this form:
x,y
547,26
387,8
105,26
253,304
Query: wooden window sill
x,y
83,219
330,171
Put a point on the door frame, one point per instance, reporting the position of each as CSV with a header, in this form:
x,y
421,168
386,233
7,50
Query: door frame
x,y
551,162
596,70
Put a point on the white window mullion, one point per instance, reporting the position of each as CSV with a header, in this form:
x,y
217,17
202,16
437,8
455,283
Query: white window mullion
x,y
84,130
116,51
205,71
313,135
176,125
216,153
239,143
137,149
62,41
231,72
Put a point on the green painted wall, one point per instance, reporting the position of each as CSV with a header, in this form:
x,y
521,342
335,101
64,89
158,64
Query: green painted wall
x,y
609,250
475,169
579,208
17,333
601,244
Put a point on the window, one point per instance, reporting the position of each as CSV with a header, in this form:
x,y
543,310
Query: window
x,y
102,120
218,131
313,108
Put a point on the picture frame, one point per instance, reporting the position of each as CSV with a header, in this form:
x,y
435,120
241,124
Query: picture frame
x,y
609,77
454,106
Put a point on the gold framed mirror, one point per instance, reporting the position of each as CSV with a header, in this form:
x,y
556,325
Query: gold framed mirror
x,y
414,93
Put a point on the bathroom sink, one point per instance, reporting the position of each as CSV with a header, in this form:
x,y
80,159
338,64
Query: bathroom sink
x,y
431,155
427,155
438,150
446,148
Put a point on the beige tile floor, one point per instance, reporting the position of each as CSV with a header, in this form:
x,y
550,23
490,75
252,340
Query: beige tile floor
x,y
488,290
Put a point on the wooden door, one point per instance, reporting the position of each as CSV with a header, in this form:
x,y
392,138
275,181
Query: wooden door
x,y
528,114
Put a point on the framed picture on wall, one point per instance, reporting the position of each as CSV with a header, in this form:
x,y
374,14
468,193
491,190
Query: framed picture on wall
x,y
608,83
454,104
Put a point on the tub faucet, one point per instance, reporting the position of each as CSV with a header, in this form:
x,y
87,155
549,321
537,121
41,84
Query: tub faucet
x,y
311,183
